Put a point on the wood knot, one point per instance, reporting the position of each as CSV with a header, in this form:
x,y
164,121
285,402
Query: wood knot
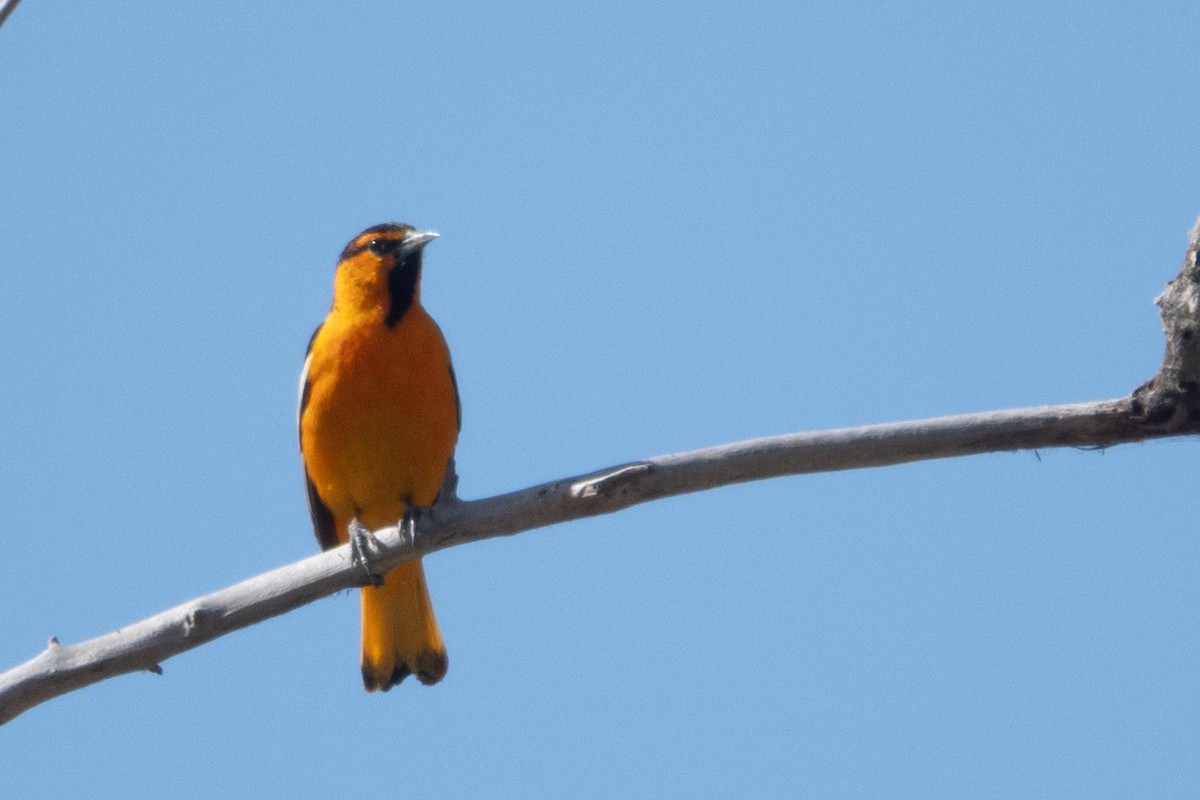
x,y
608,484
198,621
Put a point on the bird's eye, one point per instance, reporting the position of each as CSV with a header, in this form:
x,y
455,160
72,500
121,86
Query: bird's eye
x,y
382,247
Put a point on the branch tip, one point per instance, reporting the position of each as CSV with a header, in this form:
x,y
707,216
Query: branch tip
x,y
6,8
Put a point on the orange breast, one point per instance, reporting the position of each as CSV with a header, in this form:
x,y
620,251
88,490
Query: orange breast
x,y
381,419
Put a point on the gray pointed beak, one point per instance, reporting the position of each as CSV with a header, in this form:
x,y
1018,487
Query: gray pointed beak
x,y
417,240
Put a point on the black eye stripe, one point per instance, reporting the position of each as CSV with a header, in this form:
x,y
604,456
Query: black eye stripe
x,y
382,247
380,239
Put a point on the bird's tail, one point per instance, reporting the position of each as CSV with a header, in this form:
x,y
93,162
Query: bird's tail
x,y
400,635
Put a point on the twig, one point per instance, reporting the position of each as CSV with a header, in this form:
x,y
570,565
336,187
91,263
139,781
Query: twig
x,y
6,8
1167,405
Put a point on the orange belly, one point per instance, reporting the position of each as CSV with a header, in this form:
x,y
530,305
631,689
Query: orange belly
x,y
381,420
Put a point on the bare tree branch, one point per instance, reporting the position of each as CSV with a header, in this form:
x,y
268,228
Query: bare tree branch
x,y
6,8
1167,405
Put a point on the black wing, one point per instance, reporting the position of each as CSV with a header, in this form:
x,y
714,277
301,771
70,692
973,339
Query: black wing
x,y
322,517
457,399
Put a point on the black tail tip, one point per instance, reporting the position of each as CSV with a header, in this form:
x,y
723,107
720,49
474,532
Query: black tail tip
x,y
431,668
373,683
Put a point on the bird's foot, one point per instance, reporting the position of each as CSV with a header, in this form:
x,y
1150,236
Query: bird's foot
x,y
408,525
362,542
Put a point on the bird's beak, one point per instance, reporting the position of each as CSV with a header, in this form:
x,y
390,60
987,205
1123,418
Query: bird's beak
x,y
416,241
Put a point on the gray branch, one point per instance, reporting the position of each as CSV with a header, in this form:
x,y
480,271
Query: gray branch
x,y
1167,405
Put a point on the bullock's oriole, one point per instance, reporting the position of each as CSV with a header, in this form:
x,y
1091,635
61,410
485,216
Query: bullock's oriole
x,y
379,418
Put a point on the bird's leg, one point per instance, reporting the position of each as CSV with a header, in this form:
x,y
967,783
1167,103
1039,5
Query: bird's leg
x,y
449,491
362,541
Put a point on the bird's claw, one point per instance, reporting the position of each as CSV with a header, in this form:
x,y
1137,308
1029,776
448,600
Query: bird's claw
x,y
362,542
408,525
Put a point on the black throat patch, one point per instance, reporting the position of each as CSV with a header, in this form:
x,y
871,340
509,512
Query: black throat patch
x,y
402,286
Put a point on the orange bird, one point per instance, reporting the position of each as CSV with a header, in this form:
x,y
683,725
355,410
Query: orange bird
x,y
379,417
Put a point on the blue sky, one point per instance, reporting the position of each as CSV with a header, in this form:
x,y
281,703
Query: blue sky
x,y
662,228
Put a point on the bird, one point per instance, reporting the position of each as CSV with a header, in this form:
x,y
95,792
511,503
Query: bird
x,y
379,417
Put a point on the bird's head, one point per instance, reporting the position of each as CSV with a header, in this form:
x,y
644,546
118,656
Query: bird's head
x,y
380,270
